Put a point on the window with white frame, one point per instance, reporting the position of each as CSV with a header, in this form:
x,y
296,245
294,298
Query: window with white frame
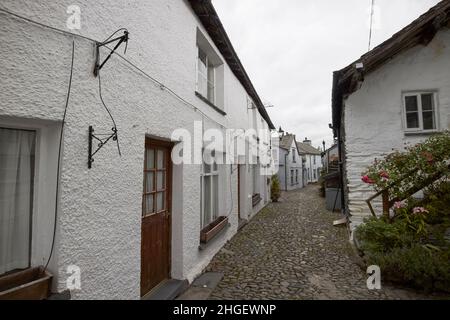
x,y
296,176
420,111
292,177
293,155
206,77
209,182
255,178
17,170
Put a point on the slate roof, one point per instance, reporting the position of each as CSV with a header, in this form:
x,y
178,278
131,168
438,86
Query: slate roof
x,y
304,148
286,141
420,31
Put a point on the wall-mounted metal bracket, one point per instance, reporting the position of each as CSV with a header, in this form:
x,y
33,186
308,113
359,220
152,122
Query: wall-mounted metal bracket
x,y
121,39
101,142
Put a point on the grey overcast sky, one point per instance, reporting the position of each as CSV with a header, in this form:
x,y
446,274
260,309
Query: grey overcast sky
x,y
290,48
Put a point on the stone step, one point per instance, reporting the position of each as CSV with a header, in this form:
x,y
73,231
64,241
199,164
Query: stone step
x,y
167,290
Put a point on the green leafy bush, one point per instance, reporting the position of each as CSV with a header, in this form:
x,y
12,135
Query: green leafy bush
x,y
275,190
418,266
412,246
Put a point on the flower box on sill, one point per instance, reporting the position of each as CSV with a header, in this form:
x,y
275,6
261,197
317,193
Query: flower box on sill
x,y
256,198
28,284
211,230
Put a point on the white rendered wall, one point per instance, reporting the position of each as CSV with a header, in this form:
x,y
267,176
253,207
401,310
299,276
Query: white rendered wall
x,y
100,215
373,114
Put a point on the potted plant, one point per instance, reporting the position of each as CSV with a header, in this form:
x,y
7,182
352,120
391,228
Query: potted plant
x,y
275,190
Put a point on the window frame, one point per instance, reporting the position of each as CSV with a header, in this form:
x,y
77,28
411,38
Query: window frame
x,y
44,179
214,172
209,67
418,94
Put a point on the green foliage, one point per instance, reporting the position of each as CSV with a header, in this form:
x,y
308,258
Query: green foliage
x,y
420,266
412,247
379,236
275,190
419,259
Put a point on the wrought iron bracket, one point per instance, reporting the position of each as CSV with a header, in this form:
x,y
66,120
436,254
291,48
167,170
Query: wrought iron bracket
x,y
120,40
100,142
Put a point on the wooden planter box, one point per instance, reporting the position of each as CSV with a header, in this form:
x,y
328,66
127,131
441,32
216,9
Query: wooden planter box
x,y
213,229
256,198
29,284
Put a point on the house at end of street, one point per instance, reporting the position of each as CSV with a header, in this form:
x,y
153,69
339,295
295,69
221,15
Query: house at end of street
x,y
312,159
291,166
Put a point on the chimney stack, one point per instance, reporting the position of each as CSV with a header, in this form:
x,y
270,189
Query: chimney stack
x,y
307,141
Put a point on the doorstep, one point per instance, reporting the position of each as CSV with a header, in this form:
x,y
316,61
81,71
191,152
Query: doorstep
x,y
202,287
167,290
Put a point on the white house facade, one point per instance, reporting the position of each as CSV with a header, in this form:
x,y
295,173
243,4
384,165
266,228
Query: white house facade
x,y
312,159
396,95
179,72
290,164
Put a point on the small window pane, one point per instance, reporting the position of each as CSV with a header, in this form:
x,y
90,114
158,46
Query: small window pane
x,y
211,92
160,159
149,204
160,180
428,121
412,120
211,83
160,203
411,103
207,168
215,197
427,102
150,159
149,181
207,201
202,85
202,60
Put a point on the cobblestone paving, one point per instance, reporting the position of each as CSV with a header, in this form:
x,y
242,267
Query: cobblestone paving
x,y
291,250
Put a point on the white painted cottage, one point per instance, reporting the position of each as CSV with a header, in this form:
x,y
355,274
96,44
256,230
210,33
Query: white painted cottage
x,y
132,221
312,160
290,163
395,94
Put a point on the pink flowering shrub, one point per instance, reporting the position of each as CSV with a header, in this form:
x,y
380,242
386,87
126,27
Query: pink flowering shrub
x,y
403,170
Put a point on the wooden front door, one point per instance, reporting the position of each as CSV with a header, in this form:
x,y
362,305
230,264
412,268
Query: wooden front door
x,y
156,215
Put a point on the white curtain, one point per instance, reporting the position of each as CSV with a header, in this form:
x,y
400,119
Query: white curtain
x,y
17,154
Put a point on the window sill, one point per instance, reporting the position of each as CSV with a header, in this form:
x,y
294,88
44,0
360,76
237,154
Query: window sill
x,y
212,105
421,133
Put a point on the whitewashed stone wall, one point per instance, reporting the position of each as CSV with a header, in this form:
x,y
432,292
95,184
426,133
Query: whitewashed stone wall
x,y
373,114
99,224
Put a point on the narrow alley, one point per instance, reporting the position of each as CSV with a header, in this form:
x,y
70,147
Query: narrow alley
x,y
291,250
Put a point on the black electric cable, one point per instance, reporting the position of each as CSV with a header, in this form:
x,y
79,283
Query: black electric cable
x,y
59,157
161,85
118,30
109,112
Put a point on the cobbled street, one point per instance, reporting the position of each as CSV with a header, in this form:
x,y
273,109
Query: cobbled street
x,y
291,250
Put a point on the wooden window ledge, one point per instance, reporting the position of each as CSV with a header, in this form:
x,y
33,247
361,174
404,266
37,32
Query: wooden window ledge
x,y
211,231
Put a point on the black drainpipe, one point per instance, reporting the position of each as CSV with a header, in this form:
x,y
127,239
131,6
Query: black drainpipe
x,y
341,171
285,170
